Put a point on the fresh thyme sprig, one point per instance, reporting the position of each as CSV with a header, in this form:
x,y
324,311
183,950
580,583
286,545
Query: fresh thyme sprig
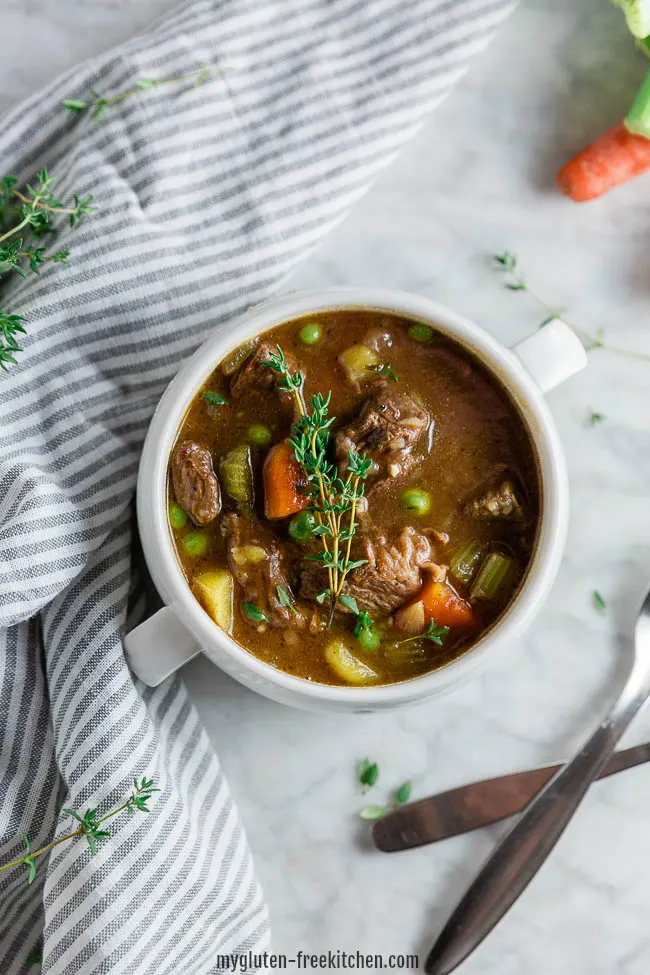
x,y
90,826
334,499
97,103
508,264
433,633
25,218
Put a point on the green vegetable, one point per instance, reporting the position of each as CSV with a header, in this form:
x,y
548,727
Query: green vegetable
x,y
214,399
195,544
177,517
495,576
368,773
373,812
236,472
369,638
637,14
403,794
420,333
465,561
310,333
254,613
416,500
301,526
599,602
637,119
259,435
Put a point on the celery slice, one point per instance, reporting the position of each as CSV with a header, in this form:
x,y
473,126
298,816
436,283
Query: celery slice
x,y
465,561
638,117
494,578
236,472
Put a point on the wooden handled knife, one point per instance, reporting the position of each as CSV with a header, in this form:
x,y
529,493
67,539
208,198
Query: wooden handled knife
x,y
479,804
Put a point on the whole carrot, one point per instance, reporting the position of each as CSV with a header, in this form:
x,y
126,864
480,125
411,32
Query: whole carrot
x,y
615,157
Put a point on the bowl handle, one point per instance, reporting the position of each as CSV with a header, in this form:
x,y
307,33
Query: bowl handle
x,y
551,354
159,646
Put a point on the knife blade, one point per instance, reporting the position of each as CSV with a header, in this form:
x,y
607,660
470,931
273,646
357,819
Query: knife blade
x,y
471,806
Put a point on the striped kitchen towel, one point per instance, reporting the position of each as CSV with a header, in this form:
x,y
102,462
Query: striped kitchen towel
x,y
207,197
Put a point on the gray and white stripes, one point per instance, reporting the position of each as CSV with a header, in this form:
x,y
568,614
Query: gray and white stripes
x,y
207,196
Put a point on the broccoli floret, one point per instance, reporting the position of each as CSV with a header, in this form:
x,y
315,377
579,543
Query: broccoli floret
x,y
637,13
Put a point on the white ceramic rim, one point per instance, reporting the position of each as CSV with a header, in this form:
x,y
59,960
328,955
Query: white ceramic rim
x,y
503,363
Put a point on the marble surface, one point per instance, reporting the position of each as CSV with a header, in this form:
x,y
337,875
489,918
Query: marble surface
x,y
478,179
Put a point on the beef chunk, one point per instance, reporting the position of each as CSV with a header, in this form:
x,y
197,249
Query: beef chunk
x,y
255,373
260,563
392,575
390,424
195,484
499,502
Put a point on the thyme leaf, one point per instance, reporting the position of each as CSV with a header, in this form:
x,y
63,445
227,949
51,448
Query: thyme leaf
x,y
254,613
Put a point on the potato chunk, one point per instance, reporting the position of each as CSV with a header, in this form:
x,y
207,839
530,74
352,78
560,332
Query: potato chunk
x,y
215,591
358,361
347,666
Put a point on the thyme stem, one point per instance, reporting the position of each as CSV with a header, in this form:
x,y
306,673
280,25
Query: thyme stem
x,y
509,264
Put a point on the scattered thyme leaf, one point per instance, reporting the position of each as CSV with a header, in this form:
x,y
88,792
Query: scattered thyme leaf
x,y
214,399
384,369
254,613
599,602
373,812
595,418
349,602
286,599
368,774
403,794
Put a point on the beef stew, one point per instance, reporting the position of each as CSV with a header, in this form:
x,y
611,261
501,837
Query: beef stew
x,y
353,498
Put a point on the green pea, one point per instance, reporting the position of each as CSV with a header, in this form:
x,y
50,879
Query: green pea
x,y
420,333
259,435
310,334
302,525
369,639
416,500
195,544
177,517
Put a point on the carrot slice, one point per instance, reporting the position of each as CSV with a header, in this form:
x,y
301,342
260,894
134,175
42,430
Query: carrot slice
x,y
614,158
284,483
444,605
